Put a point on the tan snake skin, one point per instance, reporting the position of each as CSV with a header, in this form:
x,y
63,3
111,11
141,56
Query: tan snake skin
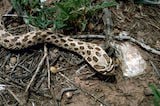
x,y
92,53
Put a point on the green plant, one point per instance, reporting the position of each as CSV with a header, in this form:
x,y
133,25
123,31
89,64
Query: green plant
x,y
37,14
156,93
65,14
74,12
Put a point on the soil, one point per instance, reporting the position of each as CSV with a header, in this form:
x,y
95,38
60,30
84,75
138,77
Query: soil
x,y
72,82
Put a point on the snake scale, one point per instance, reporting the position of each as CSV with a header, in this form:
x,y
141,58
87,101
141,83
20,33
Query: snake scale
x,y
92,53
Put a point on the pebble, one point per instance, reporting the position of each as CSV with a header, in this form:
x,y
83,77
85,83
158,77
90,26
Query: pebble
x,y
91,26
53,69
13,60
69,95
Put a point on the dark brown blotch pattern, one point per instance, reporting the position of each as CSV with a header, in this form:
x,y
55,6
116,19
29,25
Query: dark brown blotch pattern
x,y
75,48
56,41
53,36
44,35
89,59
80,43
99,67
49,32
25,38
81,47
29,42
72,44
10,45
88,52
23,46
34,37
95,58
106,57
97,48
5,40
39,39
38,33
15,39
18,43
60,35
98,54
48,39
66,45
63,40
83,53
69,39
90,47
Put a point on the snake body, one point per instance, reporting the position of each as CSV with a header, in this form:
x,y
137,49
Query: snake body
x,y
92,53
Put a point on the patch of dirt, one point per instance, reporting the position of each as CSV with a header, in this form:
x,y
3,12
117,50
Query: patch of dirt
x,y
76,84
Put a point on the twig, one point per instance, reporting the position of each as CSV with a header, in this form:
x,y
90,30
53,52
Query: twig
x,y
40,81
38,69
83,90
107,20
59,98
89,36
5,103
6,59
154,26
49,73
155,68
33,104
17,99
25,68
146,47
81,68
14,15
10,11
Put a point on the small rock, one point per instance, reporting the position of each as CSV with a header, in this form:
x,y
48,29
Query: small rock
x,y
69,95
116,31
13,60
99,28
148,92
7,67
53,69
91,26
87,82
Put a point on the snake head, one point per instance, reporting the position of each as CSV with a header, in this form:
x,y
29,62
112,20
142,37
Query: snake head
x,y
98,59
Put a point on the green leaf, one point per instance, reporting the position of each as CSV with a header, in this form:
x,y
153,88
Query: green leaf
x,y
156,94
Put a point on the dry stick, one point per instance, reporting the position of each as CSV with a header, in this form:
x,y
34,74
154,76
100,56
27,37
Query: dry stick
x,y
146,47
154,26
38,68
25,68
6,59
81,68
14,15
17,99
155,68
89,36
83,90
59,98
49,74
5,102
